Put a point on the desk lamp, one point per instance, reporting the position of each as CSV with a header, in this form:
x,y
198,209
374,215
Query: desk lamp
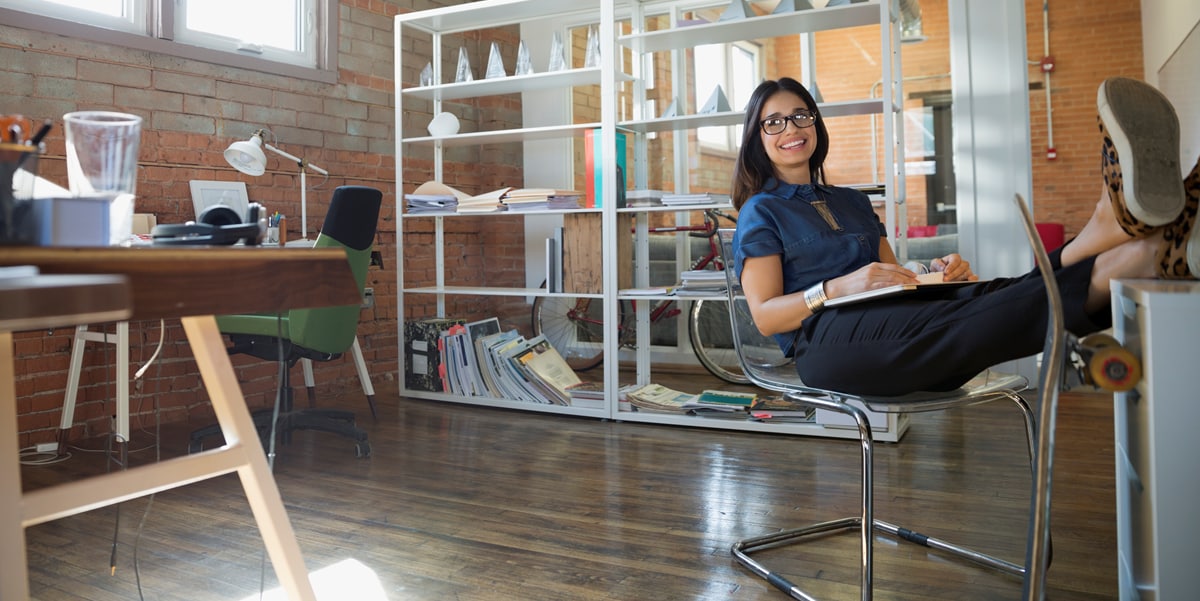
x,y
247,156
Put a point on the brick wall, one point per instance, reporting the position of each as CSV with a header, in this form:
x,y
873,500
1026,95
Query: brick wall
x,y
193,110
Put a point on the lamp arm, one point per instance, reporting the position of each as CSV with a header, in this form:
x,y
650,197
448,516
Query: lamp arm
x,y
299,161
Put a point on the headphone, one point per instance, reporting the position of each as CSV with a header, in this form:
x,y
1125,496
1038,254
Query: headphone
x,y
217,225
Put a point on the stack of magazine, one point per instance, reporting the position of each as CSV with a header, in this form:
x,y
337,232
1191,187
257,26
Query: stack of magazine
x,y
699,198
701,282
656,397
479,359
433,197
779,409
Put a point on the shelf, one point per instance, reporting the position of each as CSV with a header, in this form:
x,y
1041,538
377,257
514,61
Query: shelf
x,y
488,14
802,428
505,403
496,291
674,209
553,132
513,84
766,26
829,110
502,213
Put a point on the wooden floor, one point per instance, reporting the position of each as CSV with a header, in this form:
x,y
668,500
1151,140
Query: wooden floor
x,y
463,503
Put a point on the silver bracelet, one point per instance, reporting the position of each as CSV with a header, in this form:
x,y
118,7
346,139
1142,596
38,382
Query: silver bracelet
x,y
815,297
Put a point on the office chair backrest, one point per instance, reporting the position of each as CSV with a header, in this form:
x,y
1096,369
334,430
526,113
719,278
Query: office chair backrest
x,y
350,224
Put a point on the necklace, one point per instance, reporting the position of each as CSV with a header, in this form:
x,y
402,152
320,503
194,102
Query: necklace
x,y
822,208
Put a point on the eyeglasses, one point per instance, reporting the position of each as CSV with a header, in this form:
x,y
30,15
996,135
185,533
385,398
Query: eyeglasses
x,y
773,126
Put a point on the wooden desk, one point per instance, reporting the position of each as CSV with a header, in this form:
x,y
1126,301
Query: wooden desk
x,y
193,284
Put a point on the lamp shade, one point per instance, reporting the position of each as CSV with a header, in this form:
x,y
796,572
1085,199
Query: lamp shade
x,y
247,155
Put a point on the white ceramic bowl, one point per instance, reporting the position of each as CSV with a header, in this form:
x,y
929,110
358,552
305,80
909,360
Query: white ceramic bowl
x,y
443,125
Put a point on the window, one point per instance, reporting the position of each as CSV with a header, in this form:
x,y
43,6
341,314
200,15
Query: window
x,y
279,36
736,68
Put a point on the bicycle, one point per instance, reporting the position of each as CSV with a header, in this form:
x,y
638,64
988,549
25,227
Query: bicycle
x,y
575,326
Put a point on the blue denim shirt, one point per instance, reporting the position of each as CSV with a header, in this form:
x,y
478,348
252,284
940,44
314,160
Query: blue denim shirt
x,y
816,242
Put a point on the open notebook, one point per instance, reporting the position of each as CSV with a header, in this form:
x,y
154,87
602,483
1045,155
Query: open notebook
x,y
925,281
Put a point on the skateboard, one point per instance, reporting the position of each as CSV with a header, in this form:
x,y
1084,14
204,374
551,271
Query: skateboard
x,y
1105,364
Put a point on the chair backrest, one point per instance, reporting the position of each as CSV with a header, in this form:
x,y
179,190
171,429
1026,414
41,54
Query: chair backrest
x,y
350,224
762,360
1054,352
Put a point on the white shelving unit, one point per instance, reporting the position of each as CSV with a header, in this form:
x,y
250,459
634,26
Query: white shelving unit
x,y
604,14
1157,531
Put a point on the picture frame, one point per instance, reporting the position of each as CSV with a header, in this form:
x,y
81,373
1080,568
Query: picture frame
x,y
206,193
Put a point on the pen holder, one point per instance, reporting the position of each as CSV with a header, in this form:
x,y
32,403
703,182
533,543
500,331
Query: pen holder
x,y
18,172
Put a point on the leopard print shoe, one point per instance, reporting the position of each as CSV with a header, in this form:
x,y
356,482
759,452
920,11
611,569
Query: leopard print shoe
x,y
1179,254
1139,159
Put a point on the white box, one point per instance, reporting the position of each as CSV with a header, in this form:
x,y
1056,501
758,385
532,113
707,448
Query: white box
x,y
69,221
833,419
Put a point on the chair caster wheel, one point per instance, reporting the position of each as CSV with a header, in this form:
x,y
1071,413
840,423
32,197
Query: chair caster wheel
x,y
362,449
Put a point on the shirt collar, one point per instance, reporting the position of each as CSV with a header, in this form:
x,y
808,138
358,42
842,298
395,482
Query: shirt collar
x,y
784,190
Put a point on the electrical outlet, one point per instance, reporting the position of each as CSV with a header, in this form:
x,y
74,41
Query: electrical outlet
x,y
368,298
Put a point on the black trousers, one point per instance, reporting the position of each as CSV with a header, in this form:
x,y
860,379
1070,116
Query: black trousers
x,y
937,340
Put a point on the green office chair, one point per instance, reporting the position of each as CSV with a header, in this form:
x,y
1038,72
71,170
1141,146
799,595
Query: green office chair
x,y
321,334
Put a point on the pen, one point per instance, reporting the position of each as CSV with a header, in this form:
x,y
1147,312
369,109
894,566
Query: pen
x,y
36,140
41,133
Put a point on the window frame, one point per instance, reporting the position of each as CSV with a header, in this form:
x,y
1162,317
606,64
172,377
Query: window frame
x,y
159,39
732,135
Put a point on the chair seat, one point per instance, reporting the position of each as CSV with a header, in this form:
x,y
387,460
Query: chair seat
x,y
254,324
775,373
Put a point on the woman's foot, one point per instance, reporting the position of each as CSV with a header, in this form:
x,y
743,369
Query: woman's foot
x,y
1140,155
1179,253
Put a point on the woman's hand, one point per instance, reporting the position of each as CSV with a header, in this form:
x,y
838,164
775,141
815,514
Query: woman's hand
x,y
954,268
869,277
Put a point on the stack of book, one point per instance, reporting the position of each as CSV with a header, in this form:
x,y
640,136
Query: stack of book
x,y
587,394
722,400
779,409
433,197
643,198
488,202
699,198
535,199
701,282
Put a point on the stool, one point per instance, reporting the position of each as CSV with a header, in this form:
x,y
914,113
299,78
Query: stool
x,y
82,337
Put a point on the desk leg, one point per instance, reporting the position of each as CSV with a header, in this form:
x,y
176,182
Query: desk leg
x,y
230,407
14,578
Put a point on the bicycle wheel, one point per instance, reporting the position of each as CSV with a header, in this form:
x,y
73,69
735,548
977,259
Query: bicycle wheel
x,y
712,340
574,327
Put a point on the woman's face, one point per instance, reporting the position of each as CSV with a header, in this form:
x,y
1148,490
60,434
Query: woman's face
x,y
790,149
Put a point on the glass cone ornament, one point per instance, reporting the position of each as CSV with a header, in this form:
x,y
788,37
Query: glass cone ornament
x,y
495,66
463,73
524,65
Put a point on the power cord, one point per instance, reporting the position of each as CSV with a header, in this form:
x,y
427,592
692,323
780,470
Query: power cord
x,y
43,454
137,538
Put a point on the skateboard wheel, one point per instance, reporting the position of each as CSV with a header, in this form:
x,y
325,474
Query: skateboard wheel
x,y
1114,369
1098,340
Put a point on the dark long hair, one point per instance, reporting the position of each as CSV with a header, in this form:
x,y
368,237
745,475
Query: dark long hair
x,y
753,167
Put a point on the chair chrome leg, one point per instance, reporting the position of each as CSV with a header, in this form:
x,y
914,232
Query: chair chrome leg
x,y
865,524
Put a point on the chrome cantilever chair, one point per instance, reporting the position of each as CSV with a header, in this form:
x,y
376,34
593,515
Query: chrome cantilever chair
x,y
765,365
